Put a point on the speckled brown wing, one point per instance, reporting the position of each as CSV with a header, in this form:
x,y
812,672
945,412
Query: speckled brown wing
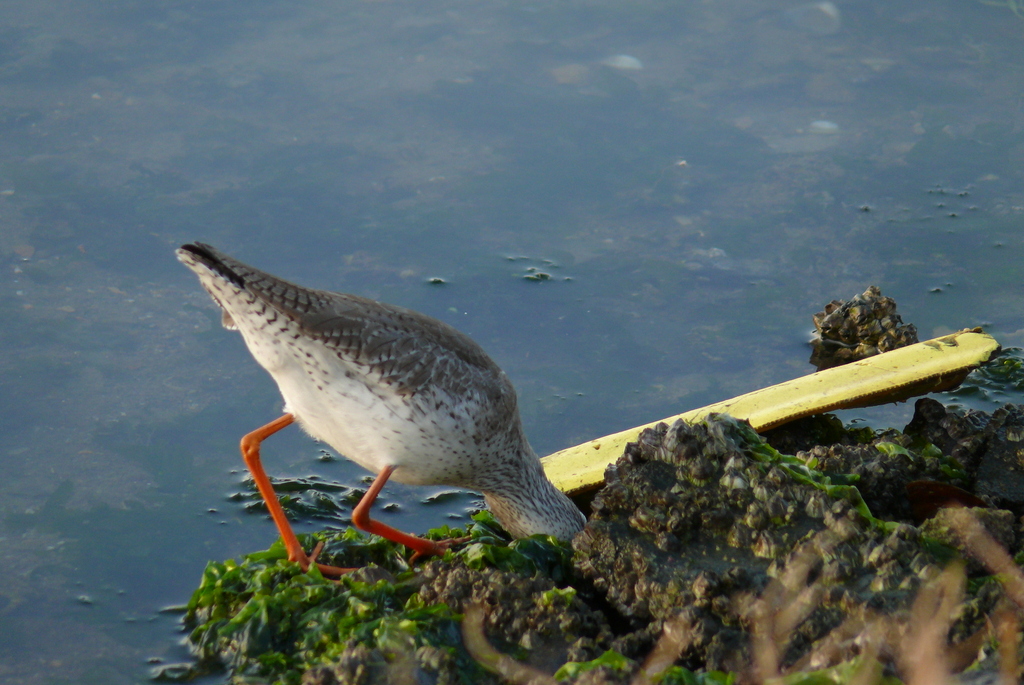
x,y
405,350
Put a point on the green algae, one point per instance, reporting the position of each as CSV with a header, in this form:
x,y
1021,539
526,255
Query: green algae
x,y
263,617
801,470
1000,380
611,660
674,675
846,672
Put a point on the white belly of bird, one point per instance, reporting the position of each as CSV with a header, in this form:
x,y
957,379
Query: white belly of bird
x,y
369,424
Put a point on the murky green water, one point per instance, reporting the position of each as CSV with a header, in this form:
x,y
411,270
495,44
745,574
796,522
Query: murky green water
x,y
373,146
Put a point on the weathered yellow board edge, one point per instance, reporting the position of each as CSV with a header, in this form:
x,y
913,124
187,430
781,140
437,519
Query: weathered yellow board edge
x,y
929,366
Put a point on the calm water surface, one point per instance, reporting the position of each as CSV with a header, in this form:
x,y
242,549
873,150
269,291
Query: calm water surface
x,y
530,155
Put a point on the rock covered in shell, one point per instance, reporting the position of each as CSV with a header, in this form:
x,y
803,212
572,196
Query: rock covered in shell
x,y
862,327
541,621
882,469
531,613
696,519
987,445
694,524
882,465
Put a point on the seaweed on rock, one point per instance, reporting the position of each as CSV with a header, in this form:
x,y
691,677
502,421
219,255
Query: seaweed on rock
x,y
264,618
704,532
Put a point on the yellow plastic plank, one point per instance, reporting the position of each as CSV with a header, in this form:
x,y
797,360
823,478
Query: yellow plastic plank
x,y
930,366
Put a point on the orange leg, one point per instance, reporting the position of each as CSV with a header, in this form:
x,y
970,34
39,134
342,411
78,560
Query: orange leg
x,y
361,519
251,455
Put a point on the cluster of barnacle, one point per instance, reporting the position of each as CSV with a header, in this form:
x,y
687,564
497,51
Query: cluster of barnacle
x,y
743,520
356,664
898,560
703,480
882,476
859,328
530,612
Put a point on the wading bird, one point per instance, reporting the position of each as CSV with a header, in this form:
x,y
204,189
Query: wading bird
x,y
401,394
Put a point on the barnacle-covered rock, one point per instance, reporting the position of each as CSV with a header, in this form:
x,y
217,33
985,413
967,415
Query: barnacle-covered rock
x,y
987,445
998,523
880,470
860,328
356,665
264,617
743,525
754,518
883,465
552,624
697,524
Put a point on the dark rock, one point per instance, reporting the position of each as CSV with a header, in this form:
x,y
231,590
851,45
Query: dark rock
x,y
531,613
757,530
695,524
